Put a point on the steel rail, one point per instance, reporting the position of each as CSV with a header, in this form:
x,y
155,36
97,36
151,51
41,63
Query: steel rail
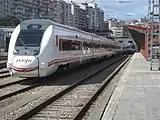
x,y
43,104
84,109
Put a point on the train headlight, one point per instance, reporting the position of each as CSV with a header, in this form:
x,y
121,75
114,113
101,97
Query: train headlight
x,y
36,52
9,65
43,66
15,52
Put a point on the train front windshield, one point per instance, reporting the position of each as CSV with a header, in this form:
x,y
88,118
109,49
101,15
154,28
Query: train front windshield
x,y
29,38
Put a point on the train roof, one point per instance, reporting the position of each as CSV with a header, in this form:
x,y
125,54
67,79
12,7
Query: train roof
x,y
49,22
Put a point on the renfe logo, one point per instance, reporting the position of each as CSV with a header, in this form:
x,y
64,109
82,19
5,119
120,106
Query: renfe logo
x,y
24,61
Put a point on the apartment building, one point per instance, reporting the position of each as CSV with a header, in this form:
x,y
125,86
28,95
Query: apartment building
x,y
6,7
119,31
60,11
80,16
71,19
29,9
112,23
106,26
24,9
83,16
56,11
95,17
119,28
101,19
90,17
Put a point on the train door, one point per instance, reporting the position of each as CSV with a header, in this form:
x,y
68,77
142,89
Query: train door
x,y
92,48
79,45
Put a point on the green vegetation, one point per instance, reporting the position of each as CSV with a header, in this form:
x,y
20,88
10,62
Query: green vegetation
x,y
9,21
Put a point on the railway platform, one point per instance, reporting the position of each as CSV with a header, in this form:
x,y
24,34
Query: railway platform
x,y
137,94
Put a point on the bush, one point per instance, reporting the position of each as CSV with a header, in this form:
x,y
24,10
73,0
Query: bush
x,y
9,21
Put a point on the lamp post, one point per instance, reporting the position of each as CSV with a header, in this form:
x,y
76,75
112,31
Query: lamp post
x,y
38,12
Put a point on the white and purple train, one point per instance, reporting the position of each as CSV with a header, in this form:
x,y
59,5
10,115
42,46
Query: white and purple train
x,y
39,47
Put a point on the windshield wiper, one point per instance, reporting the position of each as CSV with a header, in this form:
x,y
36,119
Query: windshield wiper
x,y
22,42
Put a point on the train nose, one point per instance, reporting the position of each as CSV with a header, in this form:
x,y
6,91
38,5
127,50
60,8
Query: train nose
x,y
25,66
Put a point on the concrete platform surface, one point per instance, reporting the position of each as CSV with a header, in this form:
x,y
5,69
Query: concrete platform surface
x,y
137,95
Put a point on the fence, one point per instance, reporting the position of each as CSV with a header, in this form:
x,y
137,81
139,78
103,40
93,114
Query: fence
x,y
5,34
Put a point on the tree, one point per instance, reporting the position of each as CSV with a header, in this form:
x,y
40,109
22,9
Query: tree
x,y
9,21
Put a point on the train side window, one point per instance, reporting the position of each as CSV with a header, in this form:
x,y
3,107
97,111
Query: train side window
x,y
102,45
60,44
64,44
112,46
73,47
56,40
67,45
105,46
89,45
79,45
98,45
95,45
85,46
76,45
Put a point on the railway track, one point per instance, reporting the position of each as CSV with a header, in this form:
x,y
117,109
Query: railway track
x,y
3,60
4,73
60,100
3,63
18,87
3,57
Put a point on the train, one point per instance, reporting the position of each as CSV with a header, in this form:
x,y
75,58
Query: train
x,y
130,48
39,47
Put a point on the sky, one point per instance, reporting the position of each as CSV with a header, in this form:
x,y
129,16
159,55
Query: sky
x,y
136,9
